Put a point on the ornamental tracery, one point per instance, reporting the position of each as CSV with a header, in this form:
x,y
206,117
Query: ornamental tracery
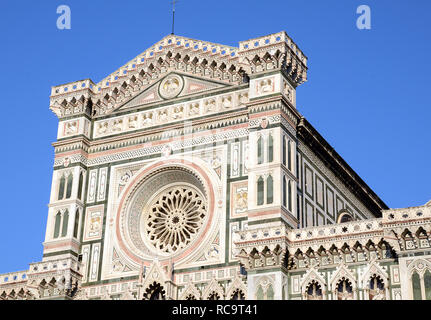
x,y
165,211
175,218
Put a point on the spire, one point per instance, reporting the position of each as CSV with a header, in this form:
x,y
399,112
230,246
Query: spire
x,y
173,15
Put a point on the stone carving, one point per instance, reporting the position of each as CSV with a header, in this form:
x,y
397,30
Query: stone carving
x,y
178,112
288,91
163,115
117,266
125,178
241,200
147,119
210,105
133,122
95,225
266,86
71,127
102,128
171,87
227,102
213,252
66,162
174,218
167,151
194,109
117,126
243,98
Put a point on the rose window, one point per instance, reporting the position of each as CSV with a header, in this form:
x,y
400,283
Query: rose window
x,y
174,218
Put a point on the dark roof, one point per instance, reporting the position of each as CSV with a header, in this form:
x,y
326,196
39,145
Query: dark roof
x,y
339,167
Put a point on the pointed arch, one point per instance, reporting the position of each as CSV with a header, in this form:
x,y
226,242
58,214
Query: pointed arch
x,y
57,225
155,292
65,223
260,148
270,148
269,190
375,282
289,196
80,185
427,284
416,286
344,277
69,186
190,292
420,279
61,187
265,289
214,291
313,280
344,289
289,155
76,225
313,291
260,191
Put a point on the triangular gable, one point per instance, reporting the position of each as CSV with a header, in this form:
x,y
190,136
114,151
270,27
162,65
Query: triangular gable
x,y
190,289
213,286
236,284
374,268
158,91
155,274
171,42
342,272
311,275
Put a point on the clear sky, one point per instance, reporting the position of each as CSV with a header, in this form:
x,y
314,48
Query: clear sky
x,y
368,91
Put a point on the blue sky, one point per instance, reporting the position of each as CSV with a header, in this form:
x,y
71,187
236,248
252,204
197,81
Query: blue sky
x,y
367,94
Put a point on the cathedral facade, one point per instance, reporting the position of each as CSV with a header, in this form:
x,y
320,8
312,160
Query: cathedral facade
x,y
190,174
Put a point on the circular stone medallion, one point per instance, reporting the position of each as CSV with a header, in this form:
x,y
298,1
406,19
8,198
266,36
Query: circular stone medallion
x,y
171,87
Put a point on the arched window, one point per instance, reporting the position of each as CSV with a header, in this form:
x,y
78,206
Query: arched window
x,y
344,217
260,191
238,295
69,186
269,190
377,288
289,156
259,293
57,225
65,224
270,293
289,196
284,192
284,150
344,290
427,283
80,184
314,291
416,283
155,292
260,147
75,228
214,296
270,148
61,187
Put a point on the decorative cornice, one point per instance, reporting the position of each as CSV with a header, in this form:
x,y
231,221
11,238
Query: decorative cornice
x,y
225,64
